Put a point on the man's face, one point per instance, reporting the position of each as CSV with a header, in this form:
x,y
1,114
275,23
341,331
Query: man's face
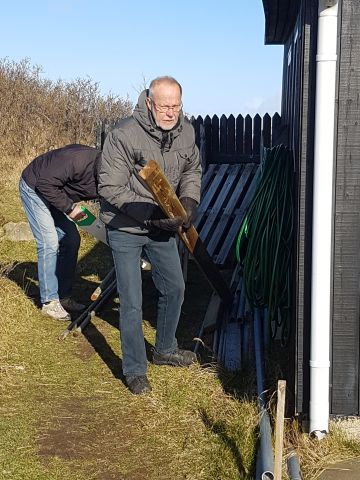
x,y
165,105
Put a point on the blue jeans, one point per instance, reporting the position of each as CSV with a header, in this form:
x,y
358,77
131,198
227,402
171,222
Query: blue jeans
x,y
57,240
168,279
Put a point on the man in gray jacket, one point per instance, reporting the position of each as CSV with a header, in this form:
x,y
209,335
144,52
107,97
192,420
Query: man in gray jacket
x,y
157,130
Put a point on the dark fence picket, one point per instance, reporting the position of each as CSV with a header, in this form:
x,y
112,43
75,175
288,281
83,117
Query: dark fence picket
x,y
256,135
223,134
207,127
215,134
248,135
266,131
239,140
276,125
230,144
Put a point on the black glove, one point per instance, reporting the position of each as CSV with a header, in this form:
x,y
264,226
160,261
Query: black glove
x,y
169,224
190,206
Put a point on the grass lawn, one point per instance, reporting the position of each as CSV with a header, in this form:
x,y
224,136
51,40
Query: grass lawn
x,y
65,412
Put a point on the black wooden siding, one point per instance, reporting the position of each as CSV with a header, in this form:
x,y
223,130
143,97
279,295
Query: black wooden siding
x,y
298,112
345,335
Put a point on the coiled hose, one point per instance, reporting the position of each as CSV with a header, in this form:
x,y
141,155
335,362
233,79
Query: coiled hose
x,y
264,244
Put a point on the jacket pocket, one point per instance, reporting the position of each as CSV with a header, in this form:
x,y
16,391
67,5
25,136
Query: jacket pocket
x,y
183,159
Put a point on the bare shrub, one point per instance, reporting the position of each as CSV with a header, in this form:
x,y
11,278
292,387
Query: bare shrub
x,y
37,114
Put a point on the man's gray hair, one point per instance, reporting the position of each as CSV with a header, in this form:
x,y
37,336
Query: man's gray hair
x,y
164,79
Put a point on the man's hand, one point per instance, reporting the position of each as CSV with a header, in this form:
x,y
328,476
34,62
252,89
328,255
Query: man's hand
x,y
168,224
190,206
76,213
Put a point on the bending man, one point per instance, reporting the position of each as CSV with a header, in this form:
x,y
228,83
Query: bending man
x,y
49,188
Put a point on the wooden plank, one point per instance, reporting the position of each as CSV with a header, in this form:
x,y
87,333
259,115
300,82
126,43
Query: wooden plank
x,y
304,167
197,122
230,148
202,148
228,213
234,229
266,131
256,135
239,134
220,202
223,134
279,428
211,193
214,134
248,135
207,127
166,198
210,318
207,177
276,126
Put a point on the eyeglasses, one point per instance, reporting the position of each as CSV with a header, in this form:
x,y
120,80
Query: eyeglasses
x,y
165,108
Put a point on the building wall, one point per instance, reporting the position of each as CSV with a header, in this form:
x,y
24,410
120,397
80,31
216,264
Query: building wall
x,y
344,393
297,114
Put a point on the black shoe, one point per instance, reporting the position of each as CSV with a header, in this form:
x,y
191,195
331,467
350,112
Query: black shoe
x,y
138,384
70,305
178,358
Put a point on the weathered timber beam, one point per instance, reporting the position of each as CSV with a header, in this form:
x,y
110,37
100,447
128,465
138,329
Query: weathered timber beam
x,y
167,199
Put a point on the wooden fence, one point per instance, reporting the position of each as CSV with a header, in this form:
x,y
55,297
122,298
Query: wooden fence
x,y
234,140
225,139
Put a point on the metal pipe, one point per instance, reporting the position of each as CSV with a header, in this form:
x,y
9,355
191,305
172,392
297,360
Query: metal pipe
x,y
264,458
103,284
293,466
91,312
259,361
86,312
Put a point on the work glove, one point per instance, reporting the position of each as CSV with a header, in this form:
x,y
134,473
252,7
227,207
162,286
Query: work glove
x,y
168,224
190,205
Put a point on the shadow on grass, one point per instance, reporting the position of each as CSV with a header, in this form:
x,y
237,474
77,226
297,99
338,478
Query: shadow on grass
x,y
24,274
218,428
98,262
105,352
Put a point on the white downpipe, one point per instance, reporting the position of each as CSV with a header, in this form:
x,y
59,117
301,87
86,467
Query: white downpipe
x,y
322,216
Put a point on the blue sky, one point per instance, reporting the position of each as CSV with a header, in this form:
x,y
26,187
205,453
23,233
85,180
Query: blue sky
x,y
214,48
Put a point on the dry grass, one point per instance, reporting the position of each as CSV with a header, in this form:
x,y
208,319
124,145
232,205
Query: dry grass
x,y
315,455
37,114
67,414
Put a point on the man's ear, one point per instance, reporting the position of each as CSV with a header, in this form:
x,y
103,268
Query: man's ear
x,y
148,102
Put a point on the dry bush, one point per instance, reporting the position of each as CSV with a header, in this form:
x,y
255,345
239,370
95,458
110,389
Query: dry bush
x,y
37,114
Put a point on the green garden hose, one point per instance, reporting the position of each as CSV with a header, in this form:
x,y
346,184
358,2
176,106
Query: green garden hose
x,y
264,244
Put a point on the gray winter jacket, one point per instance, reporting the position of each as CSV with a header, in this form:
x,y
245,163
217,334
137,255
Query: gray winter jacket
x,y
126,203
